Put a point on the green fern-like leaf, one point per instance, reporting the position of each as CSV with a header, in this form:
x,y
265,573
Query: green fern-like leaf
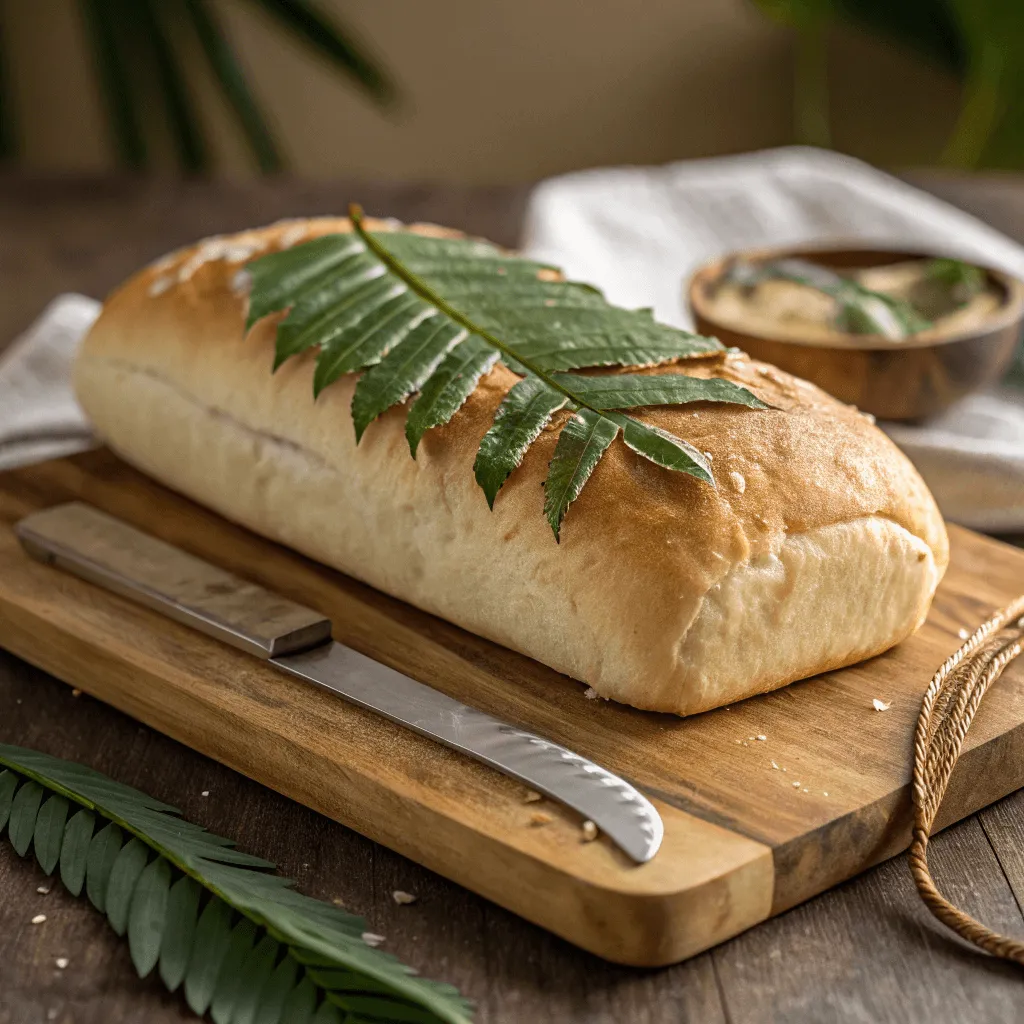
x,y
427,317
583,440
242,944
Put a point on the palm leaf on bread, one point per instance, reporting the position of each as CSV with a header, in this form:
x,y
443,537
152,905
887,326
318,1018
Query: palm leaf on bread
x,y
425,317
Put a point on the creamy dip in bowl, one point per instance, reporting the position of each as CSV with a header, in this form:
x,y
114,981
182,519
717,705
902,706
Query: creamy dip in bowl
x,y
901,335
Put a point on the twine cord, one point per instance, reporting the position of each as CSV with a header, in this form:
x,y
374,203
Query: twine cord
x,y
948,708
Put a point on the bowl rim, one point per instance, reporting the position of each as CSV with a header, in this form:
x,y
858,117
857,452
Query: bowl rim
x,y
1010,312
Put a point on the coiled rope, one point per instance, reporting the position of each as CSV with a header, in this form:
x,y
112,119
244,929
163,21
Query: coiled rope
x,y
949,707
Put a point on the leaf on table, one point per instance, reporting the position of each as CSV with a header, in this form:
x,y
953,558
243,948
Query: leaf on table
x,y
301,1003
328,1013
276,991
22,825
256,971
147,915
103,851
48,837
124,876
179,931
229,979
8,784
245,946
212,934
74,850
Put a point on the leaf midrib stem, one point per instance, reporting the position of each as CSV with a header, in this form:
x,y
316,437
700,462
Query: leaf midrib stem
x,y
425,292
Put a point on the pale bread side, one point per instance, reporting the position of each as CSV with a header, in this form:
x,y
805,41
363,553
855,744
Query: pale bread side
x,y
820,545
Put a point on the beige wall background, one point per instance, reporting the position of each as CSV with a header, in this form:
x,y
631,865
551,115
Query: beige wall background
x,y
500,92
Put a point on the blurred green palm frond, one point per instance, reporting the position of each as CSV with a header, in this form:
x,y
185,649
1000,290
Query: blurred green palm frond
x,y
144,47
980,41
7,147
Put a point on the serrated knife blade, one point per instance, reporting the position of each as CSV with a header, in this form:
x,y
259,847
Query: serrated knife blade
x,y
108,552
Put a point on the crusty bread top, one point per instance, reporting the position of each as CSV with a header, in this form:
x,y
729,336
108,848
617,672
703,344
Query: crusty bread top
x,y
808,462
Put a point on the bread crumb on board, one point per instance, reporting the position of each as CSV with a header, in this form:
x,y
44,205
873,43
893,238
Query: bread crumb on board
x,y
880,705
372,939
532,797
589,830
403,898
62,962
39,919
963,633
539,818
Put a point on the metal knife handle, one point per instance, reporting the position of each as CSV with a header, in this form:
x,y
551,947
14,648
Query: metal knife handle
x,y
99,548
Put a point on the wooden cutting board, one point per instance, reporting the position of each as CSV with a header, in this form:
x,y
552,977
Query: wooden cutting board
x,y
744,839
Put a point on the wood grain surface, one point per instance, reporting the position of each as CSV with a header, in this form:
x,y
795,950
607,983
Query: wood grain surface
x,y
765,803
866,951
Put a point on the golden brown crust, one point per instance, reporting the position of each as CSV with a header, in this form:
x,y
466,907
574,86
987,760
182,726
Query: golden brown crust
x,y
641,547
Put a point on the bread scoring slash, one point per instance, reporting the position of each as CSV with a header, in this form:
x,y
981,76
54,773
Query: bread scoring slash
x,y
819,546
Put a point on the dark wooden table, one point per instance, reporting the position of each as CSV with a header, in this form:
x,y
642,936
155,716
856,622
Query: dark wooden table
x,y
865,952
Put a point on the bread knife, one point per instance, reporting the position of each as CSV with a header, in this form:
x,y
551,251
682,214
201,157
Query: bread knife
x,y
108,552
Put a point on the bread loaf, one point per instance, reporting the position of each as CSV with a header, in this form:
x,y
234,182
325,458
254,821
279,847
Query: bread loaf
x,y
819,546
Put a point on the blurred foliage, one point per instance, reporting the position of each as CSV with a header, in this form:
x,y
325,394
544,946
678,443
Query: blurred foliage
x,y
810,19
981,41
143,52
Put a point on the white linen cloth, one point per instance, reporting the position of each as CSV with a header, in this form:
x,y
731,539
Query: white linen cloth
x,y
39,417
638,233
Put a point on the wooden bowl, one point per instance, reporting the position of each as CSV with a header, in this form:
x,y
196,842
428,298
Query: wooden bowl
x,y
907,380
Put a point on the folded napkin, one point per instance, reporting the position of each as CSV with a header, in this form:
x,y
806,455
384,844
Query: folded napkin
x,y
638,233
39,417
